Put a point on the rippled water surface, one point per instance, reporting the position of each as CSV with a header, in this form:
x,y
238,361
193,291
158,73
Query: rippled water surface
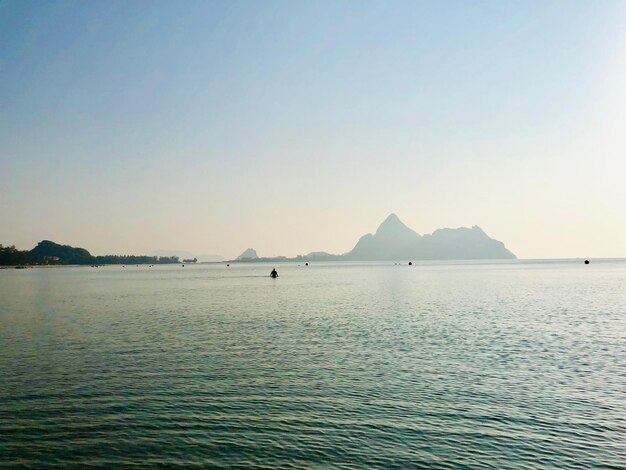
x,y
508,365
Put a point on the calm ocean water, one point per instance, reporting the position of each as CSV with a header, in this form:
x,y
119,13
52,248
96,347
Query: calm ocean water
x,y
507,365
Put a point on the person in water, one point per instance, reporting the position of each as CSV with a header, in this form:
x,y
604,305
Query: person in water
x,y
273,273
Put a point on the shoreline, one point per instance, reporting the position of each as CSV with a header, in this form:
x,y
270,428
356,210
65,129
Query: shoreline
x,y
415,263
29,266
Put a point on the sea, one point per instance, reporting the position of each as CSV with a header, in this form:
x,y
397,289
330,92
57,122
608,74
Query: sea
x,y
512,364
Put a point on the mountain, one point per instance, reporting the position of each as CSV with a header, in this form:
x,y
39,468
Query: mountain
x,y
188,255
460,243
320,256
395,241
63,254
249,254
391,241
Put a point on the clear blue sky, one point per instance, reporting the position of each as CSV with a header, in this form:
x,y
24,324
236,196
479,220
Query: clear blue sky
x,y
127,127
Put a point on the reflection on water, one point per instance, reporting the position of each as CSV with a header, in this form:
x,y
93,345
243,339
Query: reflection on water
x,y
441,364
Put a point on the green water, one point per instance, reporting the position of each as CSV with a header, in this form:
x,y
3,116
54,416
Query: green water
x,y
502,365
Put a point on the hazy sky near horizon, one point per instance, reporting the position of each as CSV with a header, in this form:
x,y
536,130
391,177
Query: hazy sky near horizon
x,y
290,127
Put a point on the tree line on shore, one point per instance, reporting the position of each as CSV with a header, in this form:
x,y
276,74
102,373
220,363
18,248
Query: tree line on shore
x,y
50,253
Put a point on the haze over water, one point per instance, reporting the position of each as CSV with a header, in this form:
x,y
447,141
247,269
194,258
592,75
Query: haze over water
x,y
292,127
509,365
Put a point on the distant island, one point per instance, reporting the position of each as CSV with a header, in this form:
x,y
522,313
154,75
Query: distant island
x,y
248,255
49,253
394,241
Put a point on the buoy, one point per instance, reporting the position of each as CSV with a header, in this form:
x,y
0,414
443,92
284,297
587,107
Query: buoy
x,y
306,264
586,261
228,265
410,263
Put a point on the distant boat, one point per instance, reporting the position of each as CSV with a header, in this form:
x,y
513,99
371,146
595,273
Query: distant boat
x,y
195,260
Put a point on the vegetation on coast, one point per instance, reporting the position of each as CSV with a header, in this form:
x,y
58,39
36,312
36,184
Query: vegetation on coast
x,y
49,253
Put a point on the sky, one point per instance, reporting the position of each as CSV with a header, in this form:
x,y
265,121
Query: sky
x,y
291,127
